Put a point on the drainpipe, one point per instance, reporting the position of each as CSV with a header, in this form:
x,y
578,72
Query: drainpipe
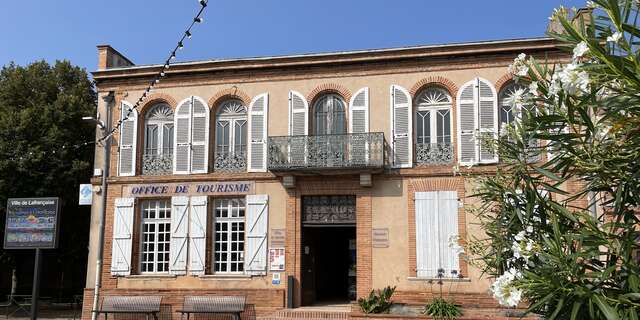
x,y
108,99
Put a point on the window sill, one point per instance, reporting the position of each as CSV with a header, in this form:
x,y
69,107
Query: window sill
x,y
151,276
424,279
226,276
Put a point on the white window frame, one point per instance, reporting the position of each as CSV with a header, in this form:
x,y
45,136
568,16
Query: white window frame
x,y
161,124
232,120
166,221
433,109
228,204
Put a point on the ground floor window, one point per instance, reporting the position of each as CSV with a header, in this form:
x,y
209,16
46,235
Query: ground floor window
x,y
437,248
155,236
229,228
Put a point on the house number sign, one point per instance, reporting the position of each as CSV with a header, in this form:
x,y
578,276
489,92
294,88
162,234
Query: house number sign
x,y
189,189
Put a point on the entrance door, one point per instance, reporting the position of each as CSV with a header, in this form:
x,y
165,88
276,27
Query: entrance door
x,y
328,250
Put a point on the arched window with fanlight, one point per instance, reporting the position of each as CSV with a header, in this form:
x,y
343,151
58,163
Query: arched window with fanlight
x,y
157,158
329,115
512,109
231,136
433,126
328,145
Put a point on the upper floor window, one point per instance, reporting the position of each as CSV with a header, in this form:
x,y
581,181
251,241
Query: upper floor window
x,y
329,115
433,126
508,105
231,136
158,140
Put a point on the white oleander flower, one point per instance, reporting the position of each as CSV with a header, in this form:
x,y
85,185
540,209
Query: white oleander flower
x,y
573,79
615,37
580,49
529,229
504,289
454,244
591,4
533,88
517,98
519,66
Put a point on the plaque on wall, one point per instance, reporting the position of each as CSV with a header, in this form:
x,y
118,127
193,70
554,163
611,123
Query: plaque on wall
x,y
278,238
380,238
214,188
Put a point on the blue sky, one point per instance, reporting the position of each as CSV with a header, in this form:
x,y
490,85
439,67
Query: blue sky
x,y
145,30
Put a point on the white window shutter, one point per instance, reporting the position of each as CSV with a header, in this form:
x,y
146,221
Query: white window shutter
x,y
257,148
298,114
257,217
179,232
401,126
182,137
447,208
122,237
467,110
359,112
427,249
128,139
197,235
199,135
487,120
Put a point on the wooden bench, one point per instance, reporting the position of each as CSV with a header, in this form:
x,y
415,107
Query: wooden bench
x,y
233,305
148,305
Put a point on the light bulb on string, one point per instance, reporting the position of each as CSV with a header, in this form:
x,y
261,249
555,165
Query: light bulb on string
x,y
203,3
197,19
180,45
188,34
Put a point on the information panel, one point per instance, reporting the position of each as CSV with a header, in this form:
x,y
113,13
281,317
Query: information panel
x,y
31,223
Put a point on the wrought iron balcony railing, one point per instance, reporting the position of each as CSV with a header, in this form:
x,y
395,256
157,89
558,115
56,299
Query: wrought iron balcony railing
x,y
336,151
434,153
230,161
157,164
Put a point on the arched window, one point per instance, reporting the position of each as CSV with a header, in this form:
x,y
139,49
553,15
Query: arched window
x,y
158,140
329,115
433,126
231,136
508,108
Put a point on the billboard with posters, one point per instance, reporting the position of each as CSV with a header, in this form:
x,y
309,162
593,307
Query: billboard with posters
x,y
31,223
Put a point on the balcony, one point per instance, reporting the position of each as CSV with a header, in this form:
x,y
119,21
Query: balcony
x,y
434,153
157,164
230,161
355,151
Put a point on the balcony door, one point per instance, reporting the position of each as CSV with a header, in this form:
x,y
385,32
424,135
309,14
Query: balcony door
x,y
329,144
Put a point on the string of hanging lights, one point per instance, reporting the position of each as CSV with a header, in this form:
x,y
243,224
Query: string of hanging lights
x,y
156,79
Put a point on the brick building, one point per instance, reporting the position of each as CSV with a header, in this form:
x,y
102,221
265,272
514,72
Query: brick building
x,y
340,171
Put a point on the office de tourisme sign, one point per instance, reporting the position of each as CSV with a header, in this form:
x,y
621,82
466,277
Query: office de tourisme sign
x,y
189,189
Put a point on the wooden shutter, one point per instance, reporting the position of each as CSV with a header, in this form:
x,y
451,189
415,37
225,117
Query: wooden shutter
x,y
197,235
179,231
128,138
358,124
447,208
182,137
401,127
257,149
467,123
199,135
122,237
359,112
298,114
427,249
257,217
487,120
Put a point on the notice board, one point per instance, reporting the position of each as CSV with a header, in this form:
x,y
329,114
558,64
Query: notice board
x,y
31,223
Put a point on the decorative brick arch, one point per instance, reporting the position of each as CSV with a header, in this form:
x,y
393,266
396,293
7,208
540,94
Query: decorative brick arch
x,y
229,93
438,81
329,87
505,79
156,98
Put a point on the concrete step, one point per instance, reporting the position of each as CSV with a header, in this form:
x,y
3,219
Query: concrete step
x,y
301,314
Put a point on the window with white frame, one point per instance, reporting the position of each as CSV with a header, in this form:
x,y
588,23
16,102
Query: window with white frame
x,y
158,140
231,136
229,224
155,236
509,104
329,115
437,248
433,126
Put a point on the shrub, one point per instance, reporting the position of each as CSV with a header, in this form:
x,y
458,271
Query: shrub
x,y
378,301
440,308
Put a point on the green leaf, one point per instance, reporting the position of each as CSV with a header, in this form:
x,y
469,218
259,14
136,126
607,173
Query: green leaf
x,y
609,312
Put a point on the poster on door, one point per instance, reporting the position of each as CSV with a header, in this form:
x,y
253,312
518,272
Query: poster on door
x,y
276,259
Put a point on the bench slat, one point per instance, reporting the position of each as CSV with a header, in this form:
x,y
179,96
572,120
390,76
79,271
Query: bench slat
x,y
133,304
213,304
